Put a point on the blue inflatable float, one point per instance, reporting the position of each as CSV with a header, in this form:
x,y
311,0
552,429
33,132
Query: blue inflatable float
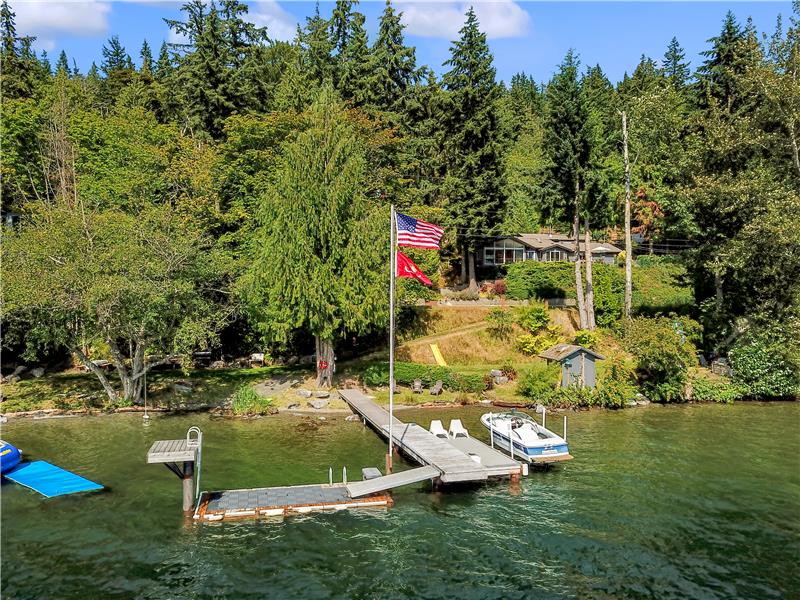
x,y
9,456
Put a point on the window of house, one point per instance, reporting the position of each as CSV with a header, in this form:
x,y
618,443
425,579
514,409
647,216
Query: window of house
x,y
554,256
503,251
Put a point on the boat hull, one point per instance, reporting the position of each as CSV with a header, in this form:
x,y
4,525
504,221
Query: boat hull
x,y
547,451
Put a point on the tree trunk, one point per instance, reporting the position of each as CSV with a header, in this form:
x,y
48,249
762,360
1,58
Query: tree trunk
x,y
473,281
590,324
578,276
795,150
464,261
110,391
326,362
628,243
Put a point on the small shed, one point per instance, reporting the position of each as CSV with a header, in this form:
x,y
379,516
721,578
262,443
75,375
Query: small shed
x,y
577,364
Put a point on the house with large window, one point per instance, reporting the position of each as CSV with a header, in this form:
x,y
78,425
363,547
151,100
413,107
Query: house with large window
x,y
542,247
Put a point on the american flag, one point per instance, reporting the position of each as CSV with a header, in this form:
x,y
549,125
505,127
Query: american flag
x,y
417,234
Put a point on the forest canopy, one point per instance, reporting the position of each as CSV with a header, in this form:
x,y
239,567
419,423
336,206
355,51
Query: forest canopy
x,y
211,146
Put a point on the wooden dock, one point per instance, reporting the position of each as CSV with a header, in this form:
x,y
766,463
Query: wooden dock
x,y
476,463
278,501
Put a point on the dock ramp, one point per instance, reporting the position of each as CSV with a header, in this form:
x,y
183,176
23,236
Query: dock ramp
x,y
387,482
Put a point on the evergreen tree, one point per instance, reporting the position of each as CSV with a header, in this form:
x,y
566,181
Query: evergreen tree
x,y
317,233
115,58
674,66
421,124
475,171
646,77
317,48
62,66
354,64
394,65
164,67
568,151
341,25
19,65
720,77
47,68
147,59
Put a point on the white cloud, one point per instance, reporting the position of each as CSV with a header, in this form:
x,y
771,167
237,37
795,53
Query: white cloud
x,y
280,24
497,18
46,19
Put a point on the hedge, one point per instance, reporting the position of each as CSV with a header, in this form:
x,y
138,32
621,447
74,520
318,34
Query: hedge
x,y
405,373
531,279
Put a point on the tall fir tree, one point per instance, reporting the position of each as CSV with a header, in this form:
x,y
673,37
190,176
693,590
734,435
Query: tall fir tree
x,y
473,145
317,48
394,65
19,64
62,66
674,66
568,151
147,59
354,64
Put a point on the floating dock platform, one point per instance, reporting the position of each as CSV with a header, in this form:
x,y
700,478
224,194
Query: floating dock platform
x,y
279,501
463,459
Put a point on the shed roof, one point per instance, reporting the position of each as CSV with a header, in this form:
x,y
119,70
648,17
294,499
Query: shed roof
x,y
561,351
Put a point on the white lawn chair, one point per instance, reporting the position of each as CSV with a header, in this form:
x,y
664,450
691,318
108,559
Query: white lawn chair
x,y
438,429
457,430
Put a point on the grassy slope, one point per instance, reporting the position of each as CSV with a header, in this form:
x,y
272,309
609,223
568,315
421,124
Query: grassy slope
x,y
661,288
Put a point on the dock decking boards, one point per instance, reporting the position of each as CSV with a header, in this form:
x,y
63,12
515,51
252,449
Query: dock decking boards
x,y
168,451
421,445
276,501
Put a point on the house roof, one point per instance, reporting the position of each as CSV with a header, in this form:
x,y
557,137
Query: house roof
x,y
561,351
542,241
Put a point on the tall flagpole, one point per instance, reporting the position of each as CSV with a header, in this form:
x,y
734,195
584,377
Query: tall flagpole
x,y
392,274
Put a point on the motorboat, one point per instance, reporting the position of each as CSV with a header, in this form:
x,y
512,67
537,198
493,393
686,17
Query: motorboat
x,y
521,436
9,456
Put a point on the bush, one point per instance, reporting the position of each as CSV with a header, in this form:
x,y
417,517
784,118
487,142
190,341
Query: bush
x,y
539,382
500,287
532,344
586,338
573,396
533,318
405,373
765,361
723,390
616,385
663,357
531,279
246,401
501,323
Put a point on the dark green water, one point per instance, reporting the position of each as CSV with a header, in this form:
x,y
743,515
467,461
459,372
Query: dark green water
x,y
677,502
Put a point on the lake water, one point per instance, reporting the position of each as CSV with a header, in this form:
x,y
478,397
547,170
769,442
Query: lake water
x,y
699,501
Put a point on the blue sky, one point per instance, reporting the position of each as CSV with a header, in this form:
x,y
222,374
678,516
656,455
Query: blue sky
x,y
524,36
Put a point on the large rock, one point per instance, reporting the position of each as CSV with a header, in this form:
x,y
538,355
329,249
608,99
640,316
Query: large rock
x,y
293,405
352,418
322,395
182,387
217,364
496,373
304,393
19,371
37,372
318,404
500,380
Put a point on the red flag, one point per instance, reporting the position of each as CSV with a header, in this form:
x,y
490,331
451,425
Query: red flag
x,y
407,268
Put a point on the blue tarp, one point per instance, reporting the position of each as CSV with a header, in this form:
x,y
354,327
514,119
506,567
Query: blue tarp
x,y
50,480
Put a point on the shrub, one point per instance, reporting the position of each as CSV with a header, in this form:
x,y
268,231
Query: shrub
x,y
765,361
500,287
586,338
572,396
532,344
405,373
533,318
531,279
509,371
501,323
723,390
615,386
663,357
539,382
246,401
